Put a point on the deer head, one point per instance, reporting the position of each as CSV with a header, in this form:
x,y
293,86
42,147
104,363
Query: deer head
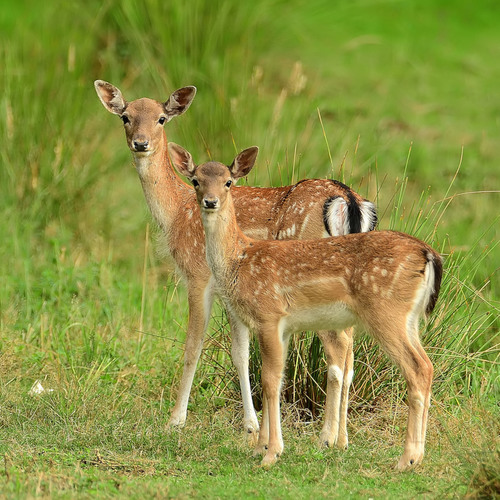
x,y
212,180
144,118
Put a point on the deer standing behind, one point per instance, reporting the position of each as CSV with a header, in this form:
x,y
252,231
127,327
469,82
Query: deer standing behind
x,y
384,281
308,209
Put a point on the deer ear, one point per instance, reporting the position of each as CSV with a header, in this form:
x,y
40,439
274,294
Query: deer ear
x,y
244,162
111,97
181,160
179,101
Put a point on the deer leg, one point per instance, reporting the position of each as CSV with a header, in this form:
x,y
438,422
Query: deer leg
x,y
200,299
419,379
416,343
240,354
263,440
342,440
338,350
417,370
272,348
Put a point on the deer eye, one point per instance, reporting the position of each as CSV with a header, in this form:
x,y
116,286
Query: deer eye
x,y
229,183
125,119
195,183
162,120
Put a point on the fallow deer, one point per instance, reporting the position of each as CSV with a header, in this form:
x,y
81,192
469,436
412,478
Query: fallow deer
x,y
308,209
382,280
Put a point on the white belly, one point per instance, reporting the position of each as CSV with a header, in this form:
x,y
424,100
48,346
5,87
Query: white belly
x,y
336,316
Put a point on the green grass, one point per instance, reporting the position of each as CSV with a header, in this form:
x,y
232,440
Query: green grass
x,y
124,451
396,98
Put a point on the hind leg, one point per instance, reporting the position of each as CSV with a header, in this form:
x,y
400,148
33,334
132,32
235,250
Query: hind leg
x,y
338,350
342,440
418,346
404,348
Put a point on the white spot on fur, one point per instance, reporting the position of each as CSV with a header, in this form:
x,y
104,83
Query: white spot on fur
x,y
334,372
304,224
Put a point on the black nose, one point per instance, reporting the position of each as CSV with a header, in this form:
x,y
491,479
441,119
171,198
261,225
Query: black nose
x,y
141,145
210,203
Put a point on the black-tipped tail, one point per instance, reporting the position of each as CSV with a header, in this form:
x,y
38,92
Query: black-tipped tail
x,y
345,214
437,264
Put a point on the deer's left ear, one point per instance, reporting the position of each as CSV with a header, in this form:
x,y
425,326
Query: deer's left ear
x,y
244,162
179,101
181,159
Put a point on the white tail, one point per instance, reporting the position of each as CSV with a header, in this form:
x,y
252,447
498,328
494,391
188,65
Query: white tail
x,y
308,209
384,281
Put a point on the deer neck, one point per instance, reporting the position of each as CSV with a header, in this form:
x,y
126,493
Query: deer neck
x,y
163,189
225,244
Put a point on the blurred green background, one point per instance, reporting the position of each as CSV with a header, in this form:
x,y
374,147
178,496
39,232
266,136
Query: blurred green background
x,y
397,98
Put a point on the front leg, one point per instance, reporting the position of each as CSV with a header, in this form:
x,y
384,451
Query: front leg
x,y
273,351
263,441
200,299
240,354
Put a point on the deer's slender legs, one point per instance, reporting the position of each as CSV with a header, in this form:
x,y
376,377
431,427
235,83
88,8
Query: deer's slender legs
x,y
404,348
263,440
273,350
200,299
339,356
415,339
240,355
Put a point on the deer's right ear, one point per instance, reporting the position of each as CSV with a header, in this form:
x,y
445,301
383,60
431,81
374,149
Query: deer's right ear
x,y
244,162
181,160
111,97
179,101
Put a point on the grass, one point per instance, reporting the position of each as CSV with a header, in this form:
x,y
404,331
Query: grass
x,y
397,99
210,457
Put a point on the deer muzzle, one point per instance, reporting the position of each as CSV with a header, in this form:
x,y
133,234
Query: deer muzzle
x,y
210,203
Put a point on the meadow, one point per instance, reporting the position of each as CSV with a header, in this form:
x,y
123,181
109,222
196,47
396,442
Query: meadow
x,y
399,99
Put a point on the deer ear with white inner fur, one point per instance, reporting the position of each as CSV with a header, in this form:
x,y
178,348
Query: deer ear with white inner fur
x,y
244,162
179,101
181,160
111,97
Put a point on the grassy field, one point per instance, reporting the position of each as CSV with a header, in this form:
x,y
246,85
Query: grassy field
x,y
398,99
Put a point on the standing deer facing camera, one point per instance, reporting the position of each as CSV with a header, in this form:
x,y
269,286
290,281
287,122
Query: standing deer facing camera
x,y
383,281
308,209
